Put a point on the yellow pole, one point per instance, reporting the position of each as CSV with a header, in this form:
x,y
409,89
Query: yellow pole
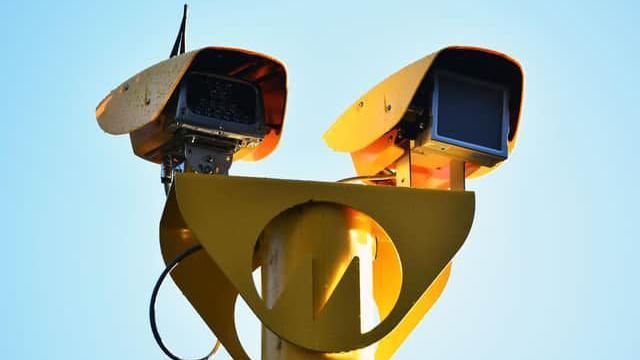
x,y
330,233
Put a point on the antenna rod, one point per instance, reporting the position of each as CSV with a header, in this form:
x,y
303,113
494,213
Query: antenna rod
x,y
181,40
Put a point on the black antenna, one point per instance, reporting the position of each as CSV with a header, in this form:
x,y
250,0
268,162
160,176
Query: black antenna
x,y
181,39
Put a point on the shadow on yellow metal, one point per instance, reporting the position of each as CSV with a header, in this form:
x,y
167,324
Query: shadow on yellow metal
x,y
417,232
343,246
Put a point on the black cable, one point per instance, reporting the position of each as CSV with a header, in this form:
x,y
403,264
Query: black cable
x,y
356,179
154,295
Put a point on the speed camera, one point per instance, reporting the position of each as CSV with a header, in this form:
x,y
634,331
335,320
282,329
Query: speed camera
x,y
201,110
461,103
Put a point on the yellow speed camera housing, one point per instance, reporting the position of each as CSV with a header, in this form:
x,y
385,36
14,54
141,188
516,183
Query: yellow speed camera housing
x,y
460,103
235,98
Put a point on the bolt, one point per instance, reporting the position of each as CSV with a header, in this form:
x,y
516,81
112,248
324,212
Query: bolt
x,y
388,108
361,104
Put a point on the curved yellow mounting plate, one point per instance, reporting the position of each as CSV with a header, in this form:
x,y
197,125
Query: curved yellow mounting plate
x,y
227,215
140,100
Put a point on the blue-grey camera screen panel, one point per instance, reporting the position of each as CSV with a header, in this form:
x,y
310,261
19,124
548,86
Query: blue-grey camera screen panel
x,y
470,111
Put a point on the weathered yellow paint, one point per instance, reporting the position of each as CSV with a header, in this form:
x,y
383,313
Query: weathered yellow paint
x,y
418,232
136,106
140,99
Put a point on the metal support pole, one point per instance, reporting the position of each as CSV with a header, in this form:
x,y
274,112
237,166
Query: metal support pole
x,y
328,233
457,175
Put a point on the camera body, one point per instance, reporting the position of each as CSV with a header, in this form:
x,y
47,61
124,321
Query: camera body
x,y
201,110
460,103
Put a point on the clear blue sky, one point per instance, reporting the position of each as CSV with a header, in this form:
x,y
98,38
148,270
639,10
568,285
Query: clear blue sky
x,y
550,269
